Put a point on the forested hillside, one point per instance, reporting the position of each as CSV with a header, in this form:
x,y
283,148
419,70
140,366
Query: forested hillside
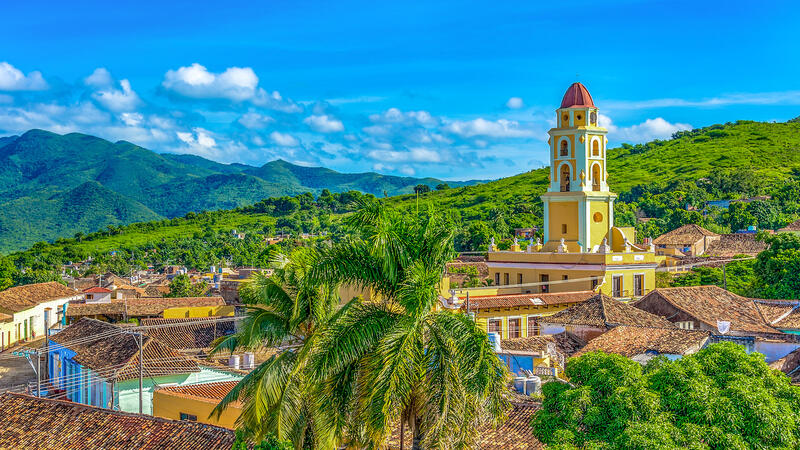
x,y
54,186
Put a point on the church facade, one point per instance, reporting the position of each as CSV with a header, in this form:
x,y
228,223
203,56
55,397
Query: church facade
x,y
582,249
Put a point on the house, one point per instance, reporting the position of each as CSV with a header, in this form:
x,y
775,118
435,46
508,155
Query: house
x,y
688,240
598,315
187,333
166,307
196,402
525,233
37,423
729,317
97,294
783,315
643,343
519,316
539,352
734,244
97,363
29,311
790,365
581,248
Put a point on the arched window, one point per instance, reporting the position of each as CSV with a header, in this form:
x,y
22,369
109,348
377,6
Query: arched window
x,y
595,148
565,178
596,177
564,148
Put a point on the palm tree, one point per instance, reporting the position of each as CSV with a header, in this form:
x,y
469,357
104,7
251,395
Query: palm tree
x,y
399,358
284,311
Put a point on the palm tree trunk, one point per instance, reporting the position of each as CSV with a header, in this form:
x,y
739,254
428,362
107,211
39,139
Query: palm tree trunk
x,y
416,443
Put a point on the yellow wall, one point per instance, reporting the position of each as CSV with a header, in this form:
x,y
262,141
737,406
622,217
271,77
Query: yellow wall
x,y
199,311
170,406
483,315
599,230
563,213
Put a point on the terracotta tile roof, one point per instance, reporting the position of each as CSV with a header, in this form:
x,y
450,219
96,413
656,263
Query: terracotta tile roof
x,y
687,234
794,226
6,318
114,353
513,434
137,307
784,314
564,342
24,297
631,341
709,304
188,333
602,311
156,290
97,289
212,392
35,423
790,365
730,245
509,301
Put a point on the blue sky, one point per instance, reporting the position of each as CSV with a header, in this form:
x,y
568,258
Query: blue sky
x,y
454,90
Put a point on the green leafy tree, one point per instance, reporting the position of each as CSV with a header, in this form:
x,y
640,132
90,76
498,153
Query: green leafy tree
x,y
397,358
777,268
718,398
182,286
270,442
283,309
421,189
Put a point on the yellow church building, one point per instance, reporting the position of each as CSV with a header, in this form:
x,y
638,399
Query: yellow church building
x,y
582,248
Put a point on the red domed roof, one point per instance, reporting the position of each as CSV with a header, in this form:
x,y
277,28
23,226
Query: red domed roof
x,y
577,96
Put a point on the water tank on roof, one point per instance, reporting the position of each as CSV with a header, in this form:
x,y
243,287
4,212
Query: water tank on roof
x,y
494,340
519,384
233,361
248,362
533,385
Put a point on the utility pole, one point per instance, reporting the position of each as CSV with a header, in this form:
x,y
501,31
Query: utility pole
x,y
724,278
38,374
141,372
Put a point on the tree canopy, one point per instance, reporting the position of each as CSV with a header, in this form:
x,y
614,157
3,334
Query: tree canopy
x,y
717,398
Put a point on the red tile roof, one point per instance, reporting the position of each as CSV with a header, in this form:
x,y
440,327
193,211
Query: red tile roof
x,y
212,392
730,245
114,353
188,333
794,226
138,307
687,234
709,304
97,290
602,311
631,341
784,314
509,301
35,423
564,342
790,365
20,298
577,96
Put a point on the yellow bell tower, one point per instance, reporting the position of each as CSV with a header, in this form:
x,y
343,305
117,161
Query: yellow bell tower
x,y
578,207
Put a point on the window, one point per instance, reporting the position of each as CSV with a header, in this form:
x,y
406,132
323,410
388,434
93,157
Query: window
x,y
505,278
595,148
514,327
595,282
565,277
533,326
596,178
564,149
686,325
638,285
544,278
495,326
565,178
563,228
519,278
497,279
616,286
597,217
185,416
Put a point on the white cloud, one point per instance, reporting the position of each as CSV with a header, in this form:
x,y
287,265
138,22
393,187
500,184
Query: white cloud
x,y
324,123
100,78
417,154
283,139
200,139
255,121
396,116
195,81
12,79
514,103
118,100
648,130
408,170
501,128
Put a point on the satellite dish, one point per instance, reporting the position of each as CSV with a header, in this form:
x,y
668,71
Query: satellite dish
x,y
723,326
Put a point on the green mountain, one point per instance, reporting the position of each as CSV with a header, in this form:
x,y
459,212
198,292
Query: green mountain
x,y
56,185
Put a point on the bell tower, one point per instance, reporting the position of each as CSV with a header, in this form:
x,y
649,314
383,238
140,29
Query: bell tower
x,y
578,207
